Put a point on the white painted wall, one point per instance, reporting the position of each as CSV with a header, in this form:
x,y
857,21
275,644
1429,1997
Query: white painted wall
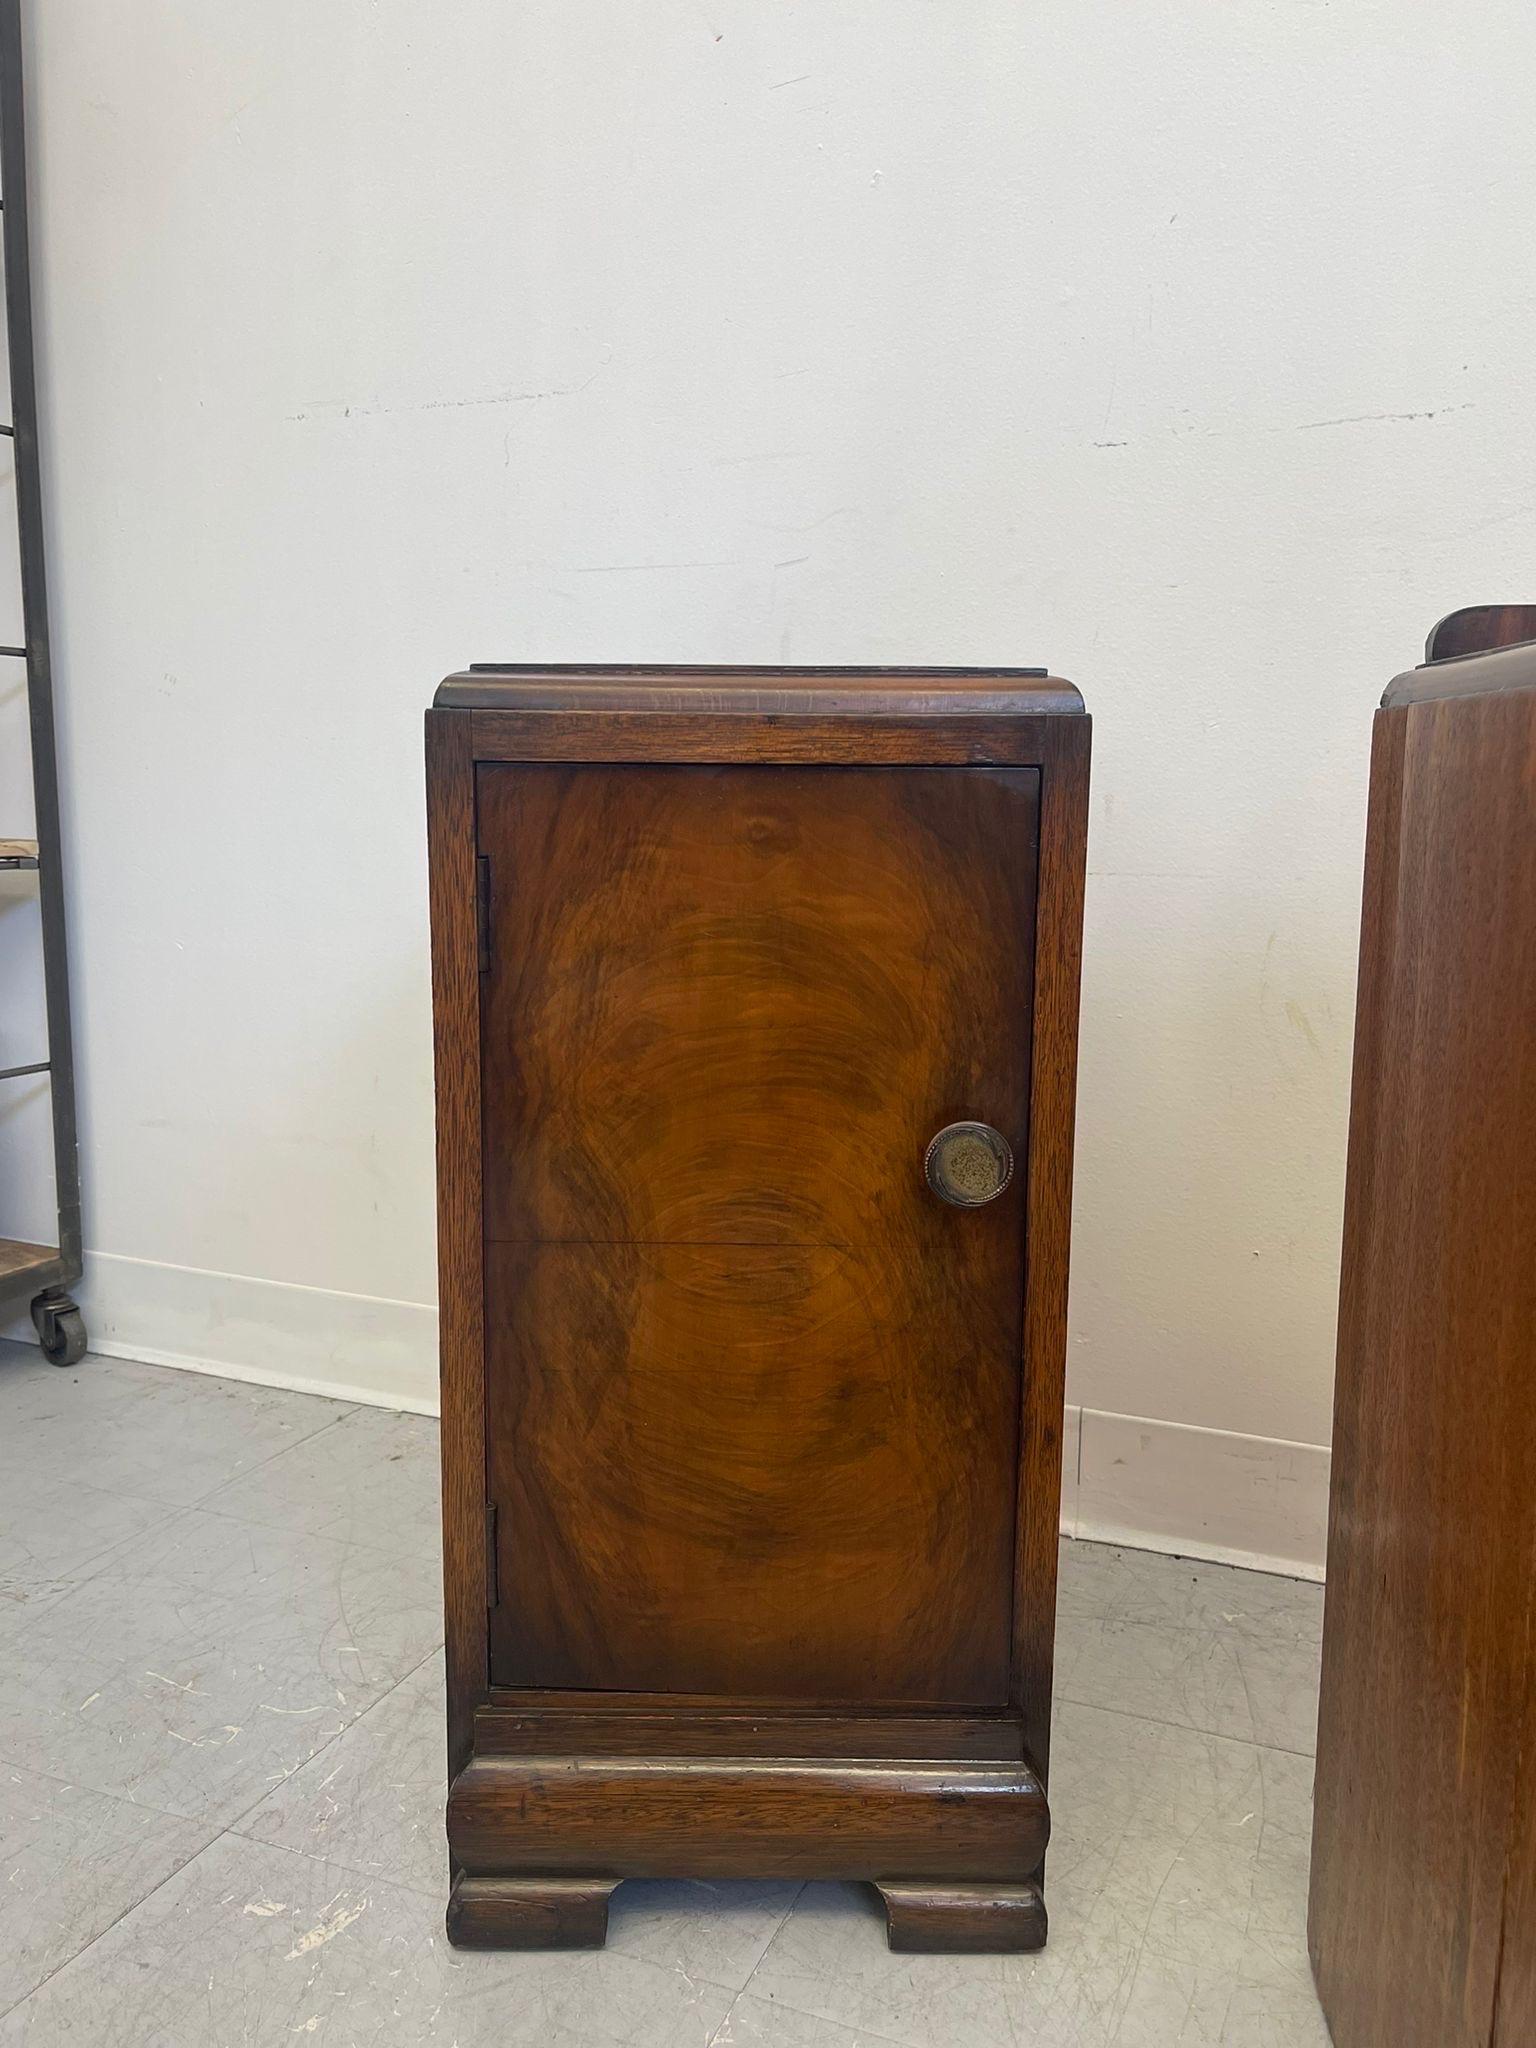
x,y
1181,346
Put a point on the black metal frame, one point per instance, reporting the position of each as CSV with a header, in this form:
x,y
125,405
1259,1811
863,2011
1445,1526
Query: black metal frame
x,y
55,1268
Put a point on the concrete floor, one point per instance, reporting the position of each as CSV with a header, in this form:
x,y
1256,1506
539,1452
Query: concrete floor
x,y
221,1781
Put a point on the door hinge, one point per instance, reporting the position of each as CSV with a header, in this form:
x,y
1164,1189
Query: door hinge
x,y
492,1574
483,911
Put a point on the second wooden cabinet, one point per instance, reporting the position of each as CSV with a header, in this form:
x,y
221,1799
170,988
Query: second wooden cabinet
x,y
1423,1906
755,999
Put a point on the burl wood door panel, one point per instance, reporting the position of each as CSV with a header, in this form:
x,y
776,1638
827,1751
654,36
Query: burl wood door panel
x,y
753,1389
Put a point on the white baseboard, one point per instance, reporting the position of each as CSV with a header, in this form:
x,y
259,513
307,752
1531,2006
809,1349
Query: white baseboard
x,y
351,1347
1150,1485
1246,1500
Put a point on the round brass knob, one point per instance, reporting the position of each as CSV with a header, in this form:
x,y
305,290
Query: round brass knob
x,y
968,1164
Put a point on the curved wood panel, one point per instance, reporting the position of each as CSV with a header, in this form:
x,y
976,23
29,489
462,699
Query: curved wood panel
x,y
1478,627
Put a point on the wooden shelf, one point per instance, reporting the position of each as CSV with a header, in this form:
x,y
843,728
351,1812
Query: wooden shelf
x,y
18,853
18,1258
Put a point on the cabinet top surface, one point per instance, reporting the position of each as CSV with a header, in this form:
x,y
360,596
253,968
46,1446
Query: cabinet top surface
x,y
820,692
1465,675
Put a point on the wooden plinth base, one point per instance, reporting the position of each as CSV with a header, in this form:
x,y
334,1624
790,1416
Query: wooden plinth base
x,y
572,1912
530,1912
528,1836
964,1919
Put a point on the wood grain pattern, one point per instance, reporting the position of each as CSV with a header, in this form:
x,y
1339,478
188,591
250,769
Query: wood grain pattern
x,y
726,1010
747,1817
731,1006
769,739
1514,1999
530,1912
1426,1682
20,1260
551,1722
460,1276
1477,627
755,694
966,1919
1053,1088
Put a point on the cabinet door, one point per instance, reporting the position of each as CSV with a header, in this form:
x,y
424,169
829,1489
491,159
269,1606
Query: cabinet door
x,y
753,1388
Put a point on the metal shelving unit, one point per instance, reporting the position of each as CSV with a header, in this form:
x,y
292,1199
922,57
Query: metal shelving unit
x,y
39,1272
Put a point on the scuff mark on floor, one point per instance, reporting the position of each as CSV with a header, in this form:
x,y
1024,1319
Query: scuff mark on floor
x,y
177,1684
327,1930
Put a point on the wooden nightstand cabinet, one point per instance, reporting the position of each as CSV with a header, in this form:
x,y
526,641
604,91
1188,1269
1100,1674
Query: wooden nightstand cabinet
x,y
755,998
1423,1904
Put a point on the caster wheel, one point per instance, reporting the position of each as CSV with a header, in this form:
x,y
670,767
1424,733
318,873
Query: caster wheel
x,y
60,1329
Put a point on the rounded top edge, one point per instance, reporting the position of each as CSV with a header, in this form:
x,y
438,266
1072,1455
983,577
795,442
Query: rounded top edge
x,y
1476,674
762,692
